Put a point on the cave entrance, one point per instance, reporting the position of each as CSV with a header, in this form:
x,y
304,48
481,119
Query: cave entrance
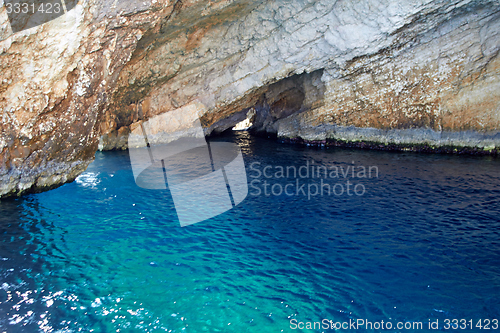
x,y
247,123
262,111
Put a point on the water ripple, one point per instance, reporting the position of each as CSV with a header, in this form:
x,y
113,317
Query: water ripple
x,y
102,255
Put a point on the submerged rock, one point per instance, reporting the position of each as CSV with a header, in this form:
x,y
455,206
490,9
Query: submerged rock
x,y
391,73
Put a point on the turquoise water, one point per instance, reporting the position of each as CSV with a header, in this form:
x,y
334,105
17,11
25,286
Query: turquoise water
x,y
102,255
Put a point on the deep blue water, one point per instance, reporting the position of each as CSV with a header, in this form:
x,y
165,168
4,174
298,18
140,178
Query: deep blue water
x,y
103,255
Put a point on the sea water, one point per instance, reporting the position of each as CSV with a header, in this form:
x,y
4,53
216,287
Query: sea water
x,y
417,240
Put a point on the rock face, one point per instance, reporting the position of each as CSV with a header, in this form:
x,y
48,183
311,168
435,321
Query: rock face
x,y
55,83
400,73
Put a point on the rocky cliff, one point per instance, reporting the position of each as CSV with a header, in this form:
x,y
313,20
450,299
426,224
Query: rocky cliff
x,y
406,74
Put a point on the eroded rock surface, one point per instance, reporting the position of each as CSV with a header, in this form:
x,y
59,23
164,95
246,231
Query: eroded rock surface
x,y
54,87
388,72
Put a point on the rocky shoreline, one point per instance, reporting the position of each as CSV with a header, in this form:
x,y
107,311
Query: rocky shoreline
x,y
417,148
399,75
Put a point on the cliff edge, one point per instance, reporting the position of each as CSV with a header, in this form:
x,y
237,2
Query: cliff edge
x,y
366,72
